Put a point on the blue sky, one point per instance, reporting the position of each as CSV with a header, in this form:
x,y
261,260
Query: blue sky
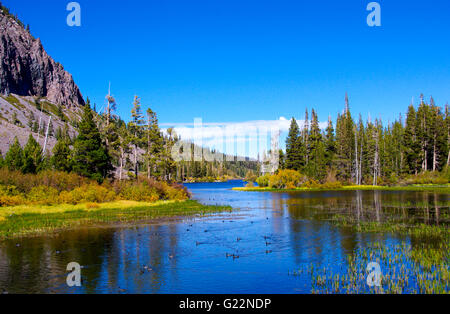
x,y
245,60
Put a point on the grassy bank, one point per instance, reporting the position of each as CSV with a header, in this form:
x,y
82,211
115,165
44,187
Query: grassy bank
x,y
418,188
29,220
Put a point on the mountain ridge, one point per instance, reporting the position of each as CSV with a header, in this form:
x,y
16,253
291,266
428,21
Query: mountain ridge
x,y
27,70
36,92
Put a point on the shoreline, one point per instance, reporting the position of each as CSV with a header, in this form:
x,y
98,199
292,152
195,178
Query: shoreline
x,y
412,188
29,221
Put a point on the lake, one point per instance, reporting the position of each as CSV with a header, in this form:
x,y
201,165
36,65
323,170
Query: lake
x,y
271,243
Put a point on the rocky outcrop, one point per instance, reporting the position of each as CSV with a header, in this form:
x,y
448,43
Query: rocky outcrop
x,y
27,70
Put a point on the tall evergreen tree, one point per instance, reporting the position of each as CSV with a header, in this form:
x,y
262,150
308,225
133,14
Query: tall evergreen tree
x,y
293,147
61,159
282,160
411,142
345,143
32,156
155,152
330,143
316,166
90,157
14,156
136,127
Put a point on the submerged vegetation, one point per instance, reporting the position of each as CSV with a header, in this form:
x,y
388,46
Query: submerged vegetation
x,y
418,262
404,269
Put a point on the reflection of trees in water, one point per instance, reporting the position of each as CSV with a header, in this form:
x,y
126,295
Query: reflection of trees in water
x,y
111,259
377,205
315,239
362,206
436,206
39,264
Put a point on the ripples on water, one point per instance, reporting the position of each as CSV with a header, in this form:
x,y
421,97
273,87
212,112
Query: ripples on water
x,y
248,251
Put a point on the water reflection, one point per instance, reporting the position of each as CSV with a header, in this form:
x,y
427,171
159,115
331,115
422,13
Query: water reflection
x,y
249,251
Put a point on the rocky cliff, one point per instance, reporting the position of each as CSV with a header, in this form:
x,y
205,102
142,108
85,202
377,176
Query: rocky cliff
x,y
27,70
37,95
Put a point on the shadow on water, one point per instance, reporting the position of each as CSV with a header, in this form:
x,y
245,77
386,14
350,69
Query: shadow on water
x,y
248,251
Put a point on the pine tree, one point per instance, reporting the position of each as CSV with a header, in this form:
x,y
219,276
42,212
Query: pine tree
x,y
293,148
32,156
14,156
410,142
61,156
345,142
282,160
330,143
316,166
423,133
304,139
438,137
124,140
168,165
90,157
155,152
136,131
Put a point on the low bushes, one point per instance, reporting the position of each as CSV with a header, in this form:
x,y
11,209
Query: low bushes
x,y
10,196
141,193
43,195
286,179
92,193
291,179
428,177
283,179
61,181
263,181
62,188
149,190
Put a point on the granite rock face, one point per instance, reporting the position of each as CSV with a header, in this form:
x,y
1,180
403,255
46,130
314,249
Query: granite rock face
x,y
27,70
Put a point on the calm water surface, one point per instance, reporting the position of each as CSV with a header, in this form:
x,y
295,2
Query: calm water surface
x,y
248,251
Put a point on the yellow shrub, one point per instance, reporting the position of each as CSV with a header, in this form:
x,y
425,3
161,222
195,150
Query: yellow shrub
x,y
11,200
92,193
92,205
286,179
140,193
66,198
43,195
173,193
263,181
312,184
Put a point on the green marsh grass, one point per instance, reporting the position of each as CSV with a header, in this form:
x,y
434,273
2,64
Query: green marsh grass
x,y
423,269
20,221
